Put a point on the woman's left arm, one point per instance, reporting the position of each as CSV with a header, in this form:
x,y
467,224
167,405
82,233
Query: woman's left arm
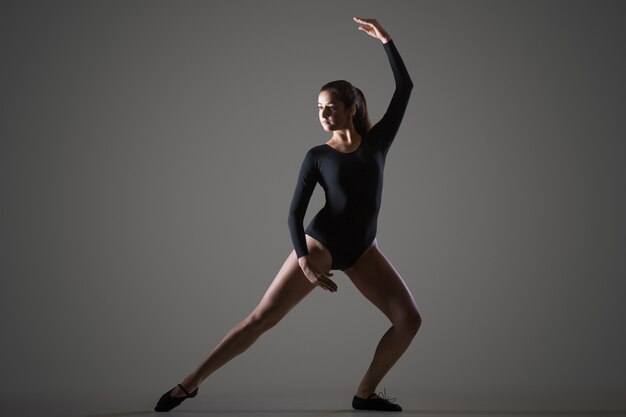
x,y
384,132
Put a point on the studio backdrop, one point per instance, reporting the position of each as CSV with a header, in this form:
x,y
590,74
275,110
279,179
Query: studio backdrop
x,y
149,151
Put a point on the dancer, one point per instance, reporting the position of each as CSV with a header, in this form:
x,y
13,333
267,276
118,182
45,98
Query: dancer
x,y
341,236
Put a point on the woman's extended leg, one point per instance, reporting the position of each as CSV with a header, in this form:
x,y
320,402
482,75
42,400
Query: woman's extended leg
x,y
379,282
287,289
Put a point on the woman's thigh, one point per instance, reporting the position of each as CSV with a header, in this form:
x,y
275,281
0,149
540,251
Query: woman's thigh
x,y
377,279
288,287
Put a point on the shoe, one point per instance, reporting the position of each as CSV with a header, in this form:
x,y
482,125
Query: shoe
x,y
378,404
167,402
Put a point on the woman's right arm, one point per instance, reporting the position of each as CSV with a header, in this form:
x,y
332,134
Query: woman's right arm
x,y
307,179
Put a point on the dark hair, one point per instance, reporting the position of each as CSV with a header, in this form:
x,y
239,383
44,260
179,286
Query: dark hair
x,y
348,94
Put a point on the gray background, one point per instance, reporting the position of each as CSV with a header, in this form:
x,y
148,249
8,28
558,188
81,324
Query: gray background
x,y
148,156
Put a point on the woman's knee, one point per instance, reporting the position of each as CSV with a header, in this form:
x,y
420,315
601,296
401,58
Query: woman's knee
x,y
408,320
262,320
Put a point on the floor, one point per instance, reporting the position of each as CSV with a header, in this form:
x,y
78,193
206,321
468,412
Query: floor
x,y
277,405
347,412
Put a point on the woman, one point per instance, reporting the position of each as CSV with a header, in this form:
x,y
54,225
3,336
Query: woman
x,y
341,236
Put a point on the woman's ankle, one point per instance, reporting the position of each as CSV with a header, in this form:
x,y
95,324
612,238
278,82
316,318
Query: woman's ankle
x,y
364,394
189,384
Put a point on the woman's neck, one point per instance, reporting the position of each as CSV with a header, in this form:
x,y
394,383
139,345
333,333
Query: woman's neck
x,y
345,137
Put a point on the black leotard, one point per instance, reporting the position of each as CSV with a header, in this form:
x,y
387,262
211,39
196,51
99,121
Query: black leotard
x,y
352,182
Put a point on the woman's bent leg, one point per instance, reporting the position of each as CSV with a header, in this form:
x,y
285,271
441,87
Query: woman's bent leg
x,y
287,289
376,278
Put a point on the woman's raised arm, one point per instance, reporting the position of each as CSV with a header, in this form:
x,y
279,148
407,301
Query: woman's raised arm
x,y
384,132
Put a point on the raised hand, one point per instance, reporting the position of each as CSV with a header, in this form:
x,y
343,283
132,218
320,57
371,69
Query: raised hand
x,y
373,28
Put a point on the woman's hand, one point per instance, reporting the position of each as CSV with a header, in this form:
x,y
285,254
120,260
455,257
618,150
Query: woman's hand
x,y
373,28
316,276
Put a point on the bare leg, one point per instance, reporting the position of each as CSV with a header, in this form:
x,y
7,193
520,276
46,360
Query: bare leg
x,y
379,282
391,346
287,289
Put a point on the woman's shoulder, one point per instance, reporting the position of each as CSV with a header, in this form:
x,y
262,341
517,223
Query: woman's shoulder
x,y
316,150
315,155
311,156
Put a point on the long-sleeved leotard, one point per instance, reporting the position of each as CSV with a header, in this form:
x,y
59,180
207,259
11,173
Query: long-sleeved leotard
x,y
352,182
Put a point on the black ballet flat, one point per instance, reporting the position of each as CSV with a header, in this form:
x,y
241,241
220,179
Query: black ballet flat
x,y
167,402
378,404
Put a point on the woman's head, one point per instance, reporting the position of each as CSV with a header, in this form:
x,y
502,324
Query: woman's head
x,y
340,103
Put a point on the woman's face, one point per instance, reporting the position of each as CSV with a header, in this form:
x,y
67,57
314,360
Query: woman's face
x,y
332,113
